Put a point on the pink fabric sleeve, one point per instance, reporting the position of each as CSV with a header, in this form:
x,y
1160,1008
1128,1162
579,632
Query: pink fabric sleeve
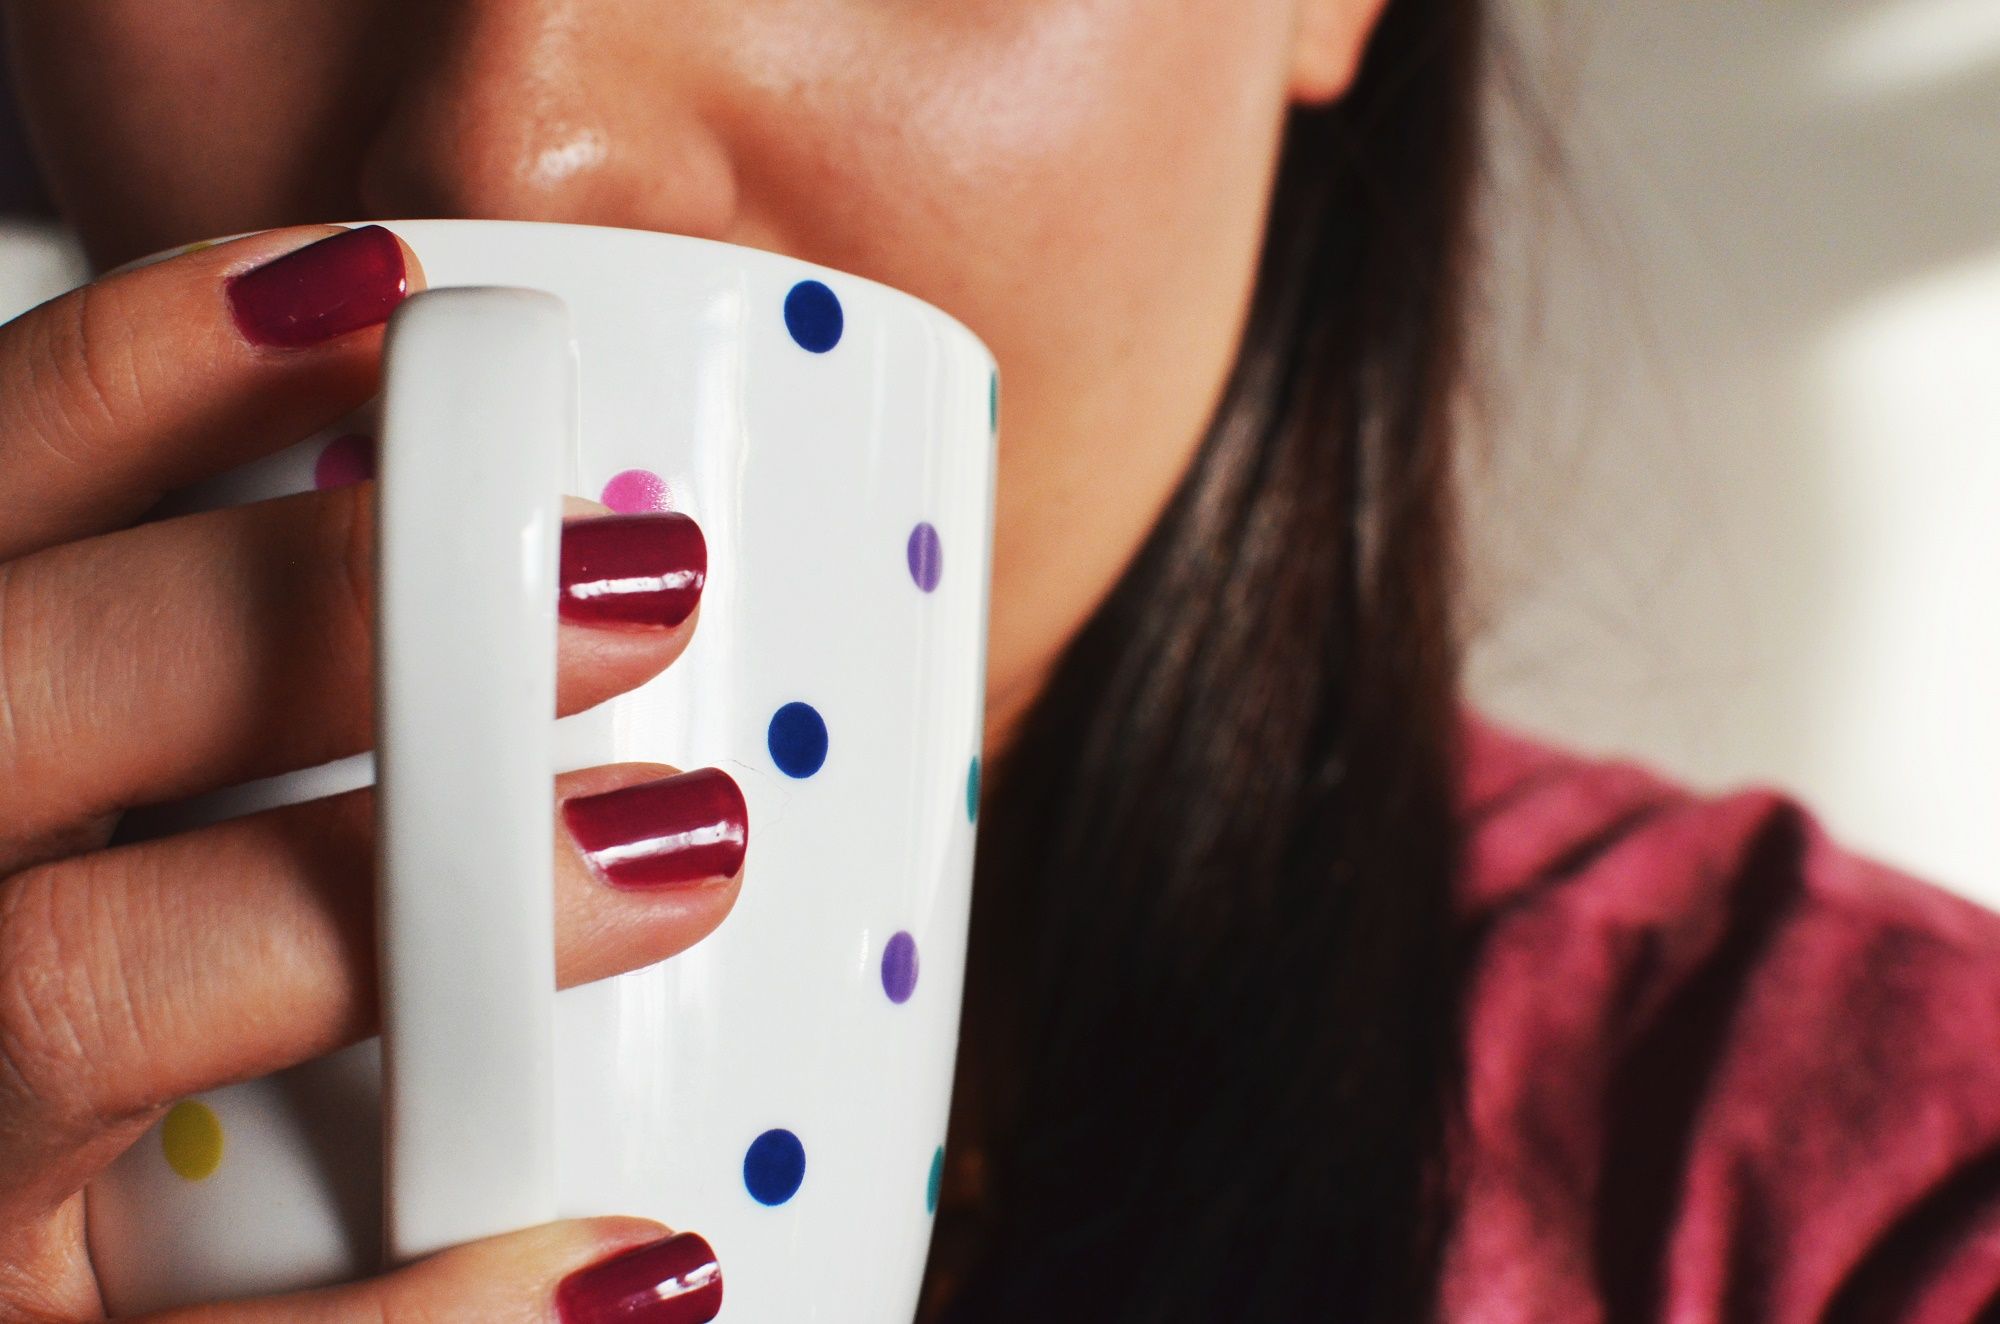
x,y
1718,1068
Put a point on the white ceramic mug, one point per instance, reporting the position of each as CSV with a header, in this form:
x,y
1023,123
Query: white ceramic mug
x,y
783,1086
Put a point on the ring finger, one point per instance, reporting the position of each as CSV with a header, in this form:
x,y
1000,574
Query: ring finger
x,y
137,975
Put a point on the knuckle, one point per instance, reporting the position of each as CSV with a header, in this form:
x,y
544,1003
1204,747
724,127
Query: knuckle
x,y
15,668
84,375
51,702
33,707
63,996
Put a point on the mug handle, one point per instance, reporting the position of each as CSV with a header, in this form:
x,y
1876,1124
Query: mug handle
x,y
479,419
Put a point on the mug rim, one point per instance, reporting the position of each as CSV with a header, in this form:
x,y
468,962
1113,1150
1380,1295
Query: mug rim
x,y
670,237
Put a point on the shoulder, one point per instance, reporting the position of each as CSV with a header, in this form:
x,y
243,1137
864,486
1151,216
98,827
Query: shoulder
x,y
1718,1065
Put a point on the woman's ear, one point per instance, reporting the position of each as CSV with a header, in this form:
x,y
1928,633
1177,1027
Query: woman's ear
x,y
1328,37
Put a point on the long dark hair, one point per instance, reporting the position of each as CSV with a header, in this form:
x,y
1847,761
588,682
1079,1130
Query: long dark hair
x,y
1212,1021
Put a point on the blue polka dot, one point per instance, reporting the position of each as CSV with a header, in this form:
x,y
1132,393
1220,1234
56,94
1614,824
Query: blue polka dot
x,y
773,1167
813,316
993,402
936,1183
972,791
797,739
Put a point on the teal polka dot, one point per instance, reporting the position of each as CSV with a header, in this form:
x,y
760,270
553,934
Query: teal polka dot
x,y
993,402
972,791
936,1183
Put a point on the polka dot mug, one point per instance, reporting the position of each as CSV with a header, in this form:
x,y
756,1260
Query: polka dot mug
x,y
782,1087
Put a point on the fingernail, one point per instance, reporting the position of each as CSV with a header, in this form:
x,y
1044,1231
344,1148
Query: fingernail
x,y
682,829
674,1280
644,569
339,284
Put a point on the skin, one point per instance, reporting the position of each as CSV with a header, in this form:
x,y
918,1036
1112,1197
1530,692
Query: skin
x,y
1079,181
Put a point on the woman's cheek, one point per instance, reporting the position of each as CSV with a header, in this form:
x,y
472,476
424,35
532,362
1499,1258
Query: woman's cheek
x,y
891,134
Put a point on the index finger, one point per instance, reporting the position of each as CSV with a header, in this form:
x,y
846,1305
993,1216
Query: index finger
x,y
154,377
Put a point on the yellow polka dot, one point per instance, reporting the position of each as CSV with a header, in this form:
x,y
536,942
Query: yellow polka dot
x,y
196,247
192,1138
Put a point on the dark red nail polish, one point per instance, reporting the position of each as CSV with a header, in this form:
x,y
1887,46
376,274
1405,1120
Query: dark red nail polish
x,y
644,569
666,833
674,1280
341,283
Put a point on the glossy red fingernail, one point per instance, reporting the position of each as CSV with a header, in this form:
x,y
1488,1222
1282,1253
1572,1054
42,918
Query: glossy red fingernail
x,y
674,1280
643,569
341,283
682,829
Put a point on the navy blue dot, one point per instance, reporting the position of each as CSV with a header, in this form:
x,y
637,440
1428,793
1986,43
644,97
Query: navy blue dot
x,y
813,316
774,1166
797,739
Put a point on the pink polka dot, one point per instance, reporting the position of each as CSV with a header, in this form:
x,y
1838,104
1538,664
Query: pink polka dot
x,y
348,458
637,490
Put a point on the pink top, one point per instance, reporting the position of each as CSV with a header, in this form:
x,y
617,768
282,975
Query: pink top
x,y
1719,1068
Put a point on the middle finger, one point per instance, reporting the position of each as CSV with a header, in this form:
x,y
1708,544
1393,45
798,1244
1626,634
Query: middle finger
x,y
179,656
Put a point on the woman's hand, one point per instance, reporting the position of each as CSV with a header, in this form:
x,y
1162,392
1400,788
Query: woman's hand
x,y
143,664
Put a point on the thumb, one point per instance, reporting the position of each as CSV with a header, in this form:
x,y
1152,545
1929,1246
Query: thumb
x,y
577,1271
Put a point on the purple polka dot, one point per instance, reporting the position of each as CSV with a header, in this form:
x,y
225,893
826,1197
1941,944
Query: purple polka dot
x,y
635,491
348,458
899,967
926,556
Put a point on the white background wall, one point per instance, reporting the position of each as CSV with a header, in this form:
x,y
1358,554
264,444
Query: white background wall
x,y
1739,508
36,260
1737,494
